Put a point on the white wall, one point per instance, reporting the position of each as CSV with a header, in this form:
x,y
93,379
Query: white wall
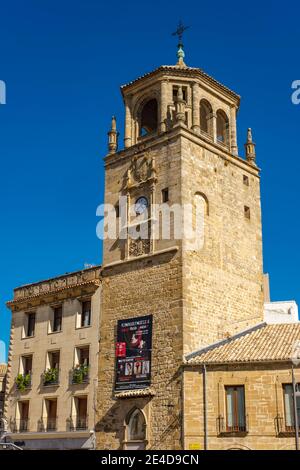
x,y
281,312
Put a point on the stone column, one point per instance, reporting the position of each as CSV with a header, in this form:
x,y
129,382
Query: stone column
x,y
128,136
196,107
233,138
163,105
180,108
213,124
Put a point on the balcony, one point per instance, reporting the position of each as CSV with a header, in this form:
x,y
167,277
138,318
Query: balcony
x,y
47,425
23,382
80,374
240,426
78,423
50,377
282,429
20,425
51,424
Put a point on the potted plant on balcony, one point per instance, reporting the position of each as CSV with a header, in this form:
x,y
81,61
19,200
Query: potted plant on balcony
x,y
50,376
23,381
80,373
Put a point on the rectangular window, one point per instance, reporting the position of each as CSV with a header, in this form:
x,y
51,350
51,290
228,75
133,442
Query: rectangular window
x,y
235,409
247,212
79,415
289,407
54,359
57,319
51,374
86,313
26,365
246,180
81,365
50,414
83,356
165,195
30,324
22,420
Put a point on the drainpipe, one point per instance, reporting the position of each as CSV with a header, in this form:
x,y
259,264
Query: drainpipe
x,y
205,407
295,411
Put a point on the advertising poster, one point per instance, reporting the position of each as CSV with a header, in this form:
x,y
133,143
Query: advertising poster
x,y
133,353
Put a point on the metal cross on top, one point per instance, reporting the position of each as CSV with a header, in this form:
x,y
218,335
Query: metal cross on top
x,y
180,52
180,30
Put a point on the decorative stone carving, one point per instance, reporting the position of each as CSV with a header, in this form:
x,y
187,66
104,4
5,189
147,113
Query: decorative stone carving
x,y
139,247
141,170
53,285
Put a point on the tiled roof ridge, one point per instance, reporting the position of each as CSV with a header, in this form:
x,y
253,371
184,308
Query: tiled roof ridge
x,y
262,343
224,341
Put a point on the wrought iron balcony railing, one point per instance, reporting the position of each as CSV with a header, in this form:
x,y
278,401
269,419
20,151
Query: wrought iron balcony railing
x,y
20,425
237,424
282,427
51,424
78,423
47,424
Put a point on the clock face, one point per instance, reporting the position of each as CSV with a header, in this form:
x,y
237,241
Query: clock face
x,y
141,204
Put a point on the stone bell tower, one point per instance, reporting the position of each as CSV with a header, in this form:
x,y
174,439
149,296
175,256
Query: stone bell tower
x,y
180,147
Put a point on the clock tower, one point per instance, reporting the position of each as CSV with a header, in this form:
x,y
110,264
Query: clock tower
x,y
180,150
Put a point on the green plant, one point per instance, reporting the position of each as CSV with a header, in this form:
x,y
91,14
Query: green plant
x,y
23,381
80,373
50,376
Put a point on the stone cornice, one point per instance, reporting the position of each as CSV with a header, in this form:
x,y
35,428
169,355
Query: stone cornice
x,y
172,249
89,278
157,140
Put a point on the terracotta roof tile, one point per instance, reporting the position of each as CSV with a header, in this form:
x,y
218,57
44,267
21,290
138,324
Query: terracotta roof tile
x,y
182,71
135,393
262,343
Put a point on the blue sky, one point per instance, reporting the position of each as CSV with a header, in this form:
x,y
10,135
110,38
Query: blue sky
x,y
63,62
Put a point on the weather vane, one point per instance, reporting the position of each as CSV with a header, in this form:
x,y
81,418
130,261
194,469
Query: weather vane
x,y
180,53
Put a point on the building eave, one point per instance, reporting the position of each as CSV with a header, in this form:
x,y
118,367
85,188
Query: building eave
x,y
88,278
189,72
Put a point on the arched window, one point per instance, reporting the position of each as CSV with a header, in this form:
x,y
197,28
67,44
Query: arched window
x,y
136,429
205,117
202,198
222,127
148,117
